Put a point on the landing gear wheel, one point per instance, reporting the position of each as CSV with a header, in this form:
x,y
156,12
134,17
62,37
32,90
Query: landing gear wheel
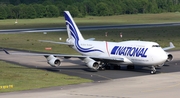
x,y
102,68
107,67
130,67
153,70
117,67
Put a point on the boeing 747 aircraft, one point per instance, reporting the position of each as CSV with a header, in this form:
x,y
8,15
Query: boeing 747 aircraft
x,y
102,54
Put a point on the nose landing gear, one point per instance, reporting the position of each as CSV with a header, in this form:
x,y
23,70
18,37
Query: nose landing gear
x,y
153,70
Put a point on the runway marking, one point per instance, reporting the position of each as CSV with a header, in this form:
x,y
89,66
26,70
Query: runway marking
x,y
98,96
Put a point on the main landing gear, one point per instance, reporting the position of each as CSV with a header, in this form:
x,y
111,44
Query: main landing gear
x,y
153,70
130,67
106,66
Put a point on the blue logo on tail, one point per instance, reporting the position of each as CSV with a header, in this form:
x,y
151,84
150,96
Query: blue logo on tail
x,y
74,34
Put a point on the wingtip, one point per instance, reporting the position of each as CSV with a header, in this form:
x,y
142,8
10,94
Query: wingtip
x,y
171,44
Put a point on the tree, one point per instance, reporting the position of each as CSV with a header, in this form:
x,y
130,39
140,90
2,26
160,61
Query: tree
x,y
162,5
40,10
153,7
22,11
15,2
102,9
116,9
130,7
81,9
47,2
52,11
73,10
31,12
15,11
8,12
142,6
171,7
27,12
61,6
2,13
124,7
89,7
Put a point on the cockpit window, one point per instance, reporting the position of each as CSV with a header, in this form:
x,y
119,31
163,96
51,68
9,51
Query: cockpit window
x,y
155,46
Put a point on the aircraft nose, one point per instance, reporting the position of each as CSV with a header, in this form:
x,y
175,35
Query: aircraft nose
x,y
160,57
163,56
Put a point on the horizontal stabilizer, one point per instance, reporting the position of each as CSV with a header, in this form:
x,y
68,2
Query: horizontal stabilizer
x,y
91,39
65,43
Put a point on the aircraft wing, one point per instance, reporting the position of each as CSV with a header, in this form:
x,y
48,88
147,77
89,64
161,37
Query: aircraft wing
x,y
95,58
170,46
107,59
55,42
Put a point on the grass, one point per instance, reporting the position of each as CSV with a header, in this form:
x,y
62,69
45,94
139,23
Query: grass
x,y
132,19
29,41
23,78
91,20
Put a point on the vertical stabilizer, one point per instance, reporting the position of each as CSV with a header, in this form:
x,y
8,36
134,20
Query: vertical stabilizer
x,y
72,29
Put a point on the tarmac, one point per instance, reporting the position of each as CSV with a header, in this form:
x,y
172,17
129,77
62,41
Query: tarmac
x,y
138,83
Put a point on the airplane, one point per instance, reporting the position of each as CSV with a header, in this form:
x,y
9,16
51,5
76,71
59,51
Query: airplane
x,y
99,55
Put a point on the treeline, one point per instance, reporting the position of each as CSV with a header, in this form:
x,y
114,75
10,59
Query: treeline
x,y
29,9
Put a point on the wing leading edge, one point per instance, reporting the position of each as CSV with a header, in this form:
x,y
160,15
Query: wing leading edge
x,y
64,43
66,56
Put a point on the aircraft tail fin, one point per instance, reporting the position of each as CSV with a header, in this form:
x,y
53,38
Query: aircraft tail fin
x,y
72,29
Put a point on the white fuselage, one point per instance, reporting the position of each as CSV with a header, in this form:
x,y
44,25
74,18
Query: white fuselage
x,y
142,53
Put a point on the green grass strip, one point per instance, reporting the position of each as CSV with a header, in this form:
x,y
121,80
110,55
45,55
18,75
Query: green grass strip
x,y
23,78
91,20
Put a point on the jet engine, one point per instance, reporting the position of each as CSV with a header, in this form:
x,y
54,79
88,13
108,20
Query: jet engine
x,y
91,63
53,61
170,57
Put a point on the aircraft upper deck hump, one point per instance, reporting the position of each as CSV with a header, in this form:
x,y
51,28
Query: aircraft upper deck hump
x,y
72,29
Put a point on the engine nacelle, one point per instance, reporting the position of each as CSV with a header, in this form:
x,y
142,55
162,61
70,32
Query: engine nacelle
x,y
53,61
91,63
170,57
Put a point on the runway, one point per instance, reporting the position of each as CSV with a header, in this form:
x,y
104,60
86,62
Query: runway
x,y
59,29
123,83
